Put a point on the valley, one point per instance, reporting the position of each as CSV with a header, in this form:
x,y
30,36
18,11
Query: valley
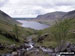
x,y
46,35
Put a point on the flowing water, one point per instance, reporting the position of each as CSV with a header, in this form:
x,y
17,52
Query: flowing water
x,y
31,47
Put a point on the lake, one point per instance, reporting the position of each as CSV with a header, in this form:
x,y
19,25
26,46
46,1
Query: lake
x,y
33,24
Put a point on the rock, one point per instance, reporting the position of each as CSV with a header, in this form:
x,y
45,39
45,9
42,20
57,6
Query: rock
x,y
1,46
25,45
18,52
72,47
21,52
47,50
45,35
34,53
37,46
8,54
62,47
42,37
53,54
57,49
65,46
25,41
69,49
12,47
14,54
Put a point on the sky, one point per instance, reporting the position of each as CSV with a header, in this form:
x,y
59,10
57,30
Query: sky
x,y
33,8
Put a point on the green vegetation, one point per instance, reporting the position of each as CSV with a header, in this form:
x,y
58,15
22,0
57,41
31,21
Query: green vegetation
x,y
16,31
60,32
12,33
63,30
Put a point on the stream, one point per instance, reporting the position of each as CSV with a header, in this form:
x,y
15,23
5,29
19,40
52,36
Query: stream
x,y
31,46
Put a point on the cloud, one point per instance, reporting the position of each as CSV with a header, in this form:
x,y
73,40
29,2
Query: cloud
x,y
32,8
2,2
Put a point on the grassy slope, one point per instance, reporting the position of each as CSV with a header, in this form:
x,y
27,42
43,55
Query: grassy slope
x,y
62,30
5,27
8,28
6,18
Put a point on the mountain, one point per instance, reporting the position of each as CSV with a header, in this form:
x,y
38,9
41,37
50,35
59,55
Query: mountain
x,y
6,18
63,30
53,15
70,14
8,29
57,15
23,18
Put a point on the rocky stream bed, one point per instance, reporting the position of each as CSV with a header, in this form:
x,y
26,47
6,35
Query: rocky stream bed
x,y
27,48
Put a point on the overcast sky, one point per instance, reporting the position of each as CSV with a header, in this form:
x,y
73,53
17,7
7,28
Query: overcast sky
x,y
32,8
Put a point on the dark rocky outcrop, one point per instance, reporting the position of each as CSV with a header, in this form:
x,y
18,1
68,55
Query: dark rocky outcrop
x,y
29,48
42,37
2,46
66,47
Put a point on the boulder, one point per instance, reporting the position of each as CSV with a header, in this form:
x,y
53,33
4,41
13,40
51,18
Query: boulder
x,y
12,47
42,37
14,54
72,47
62,47
1,46
65,46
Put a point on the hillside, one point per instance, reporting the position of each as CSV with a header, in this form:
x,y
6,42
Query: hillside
x,y
11,34
23,18
50,18
53,15
70,14
6,18
62,30
8,28
57,15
